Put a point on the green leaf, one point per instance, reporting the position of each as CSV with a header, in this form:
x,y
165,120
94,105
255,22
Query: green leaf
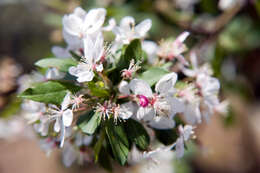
x,y
98,89
153,75
167,137
118,140
49,92
137,134
104,160
99,144
89,122
62,64
132,51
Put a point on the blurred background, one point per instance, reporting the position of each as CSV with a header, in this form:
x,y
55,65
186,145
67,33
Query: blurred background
x,y
225,32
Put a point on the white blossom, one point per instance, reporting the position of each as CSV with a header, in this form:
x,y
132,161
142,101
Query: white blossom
x,y
63,117
32,110
80,24
173,49
196,69
185,133
162,103
93,54
127,30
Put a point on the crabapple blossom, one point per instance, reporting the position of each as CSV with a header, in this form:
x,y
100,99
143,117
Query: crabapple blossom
x,y
93,54
170,50
104,106
81,24
63,117
185,133
127,30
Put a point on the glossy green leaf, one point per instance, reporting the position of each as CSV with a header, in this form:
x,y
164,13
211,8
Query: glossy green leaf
x,y
137,134
89,122
118,140
153,75
132,51
49,92
62,64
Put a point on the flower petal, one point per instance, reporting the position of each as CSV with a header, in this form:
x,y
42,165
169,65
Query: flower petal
x,y
85,76
67,117
166,83
179,148
124,87
126,23
72,24
140,87
143,27
94,20
57,125
66,101
161,122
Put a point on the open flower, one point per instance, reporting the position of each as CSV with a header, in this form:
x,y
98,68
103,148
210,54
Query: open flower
x,y
63,117
80,24
94,51
128,73
127,30
185,133
156,109
191,103
196,69
173,49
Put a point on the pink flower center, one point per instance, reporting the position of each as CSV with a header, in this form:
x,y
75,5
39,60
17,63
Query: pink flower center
x,y
143,101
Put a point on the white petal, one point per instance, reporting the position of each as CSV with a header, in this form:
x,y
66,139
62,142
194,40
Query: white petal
x,y
161,122
124,87
166,83
72,24
62,135
66,101
189,72
146,113
187,131
126,23
179,148
85,76
140,87
69,155
88,49
99,68
78,11
67,117
57,125
176,105
143,27
111,25
54,73
182,37
126,110
94,20
192,114
73,71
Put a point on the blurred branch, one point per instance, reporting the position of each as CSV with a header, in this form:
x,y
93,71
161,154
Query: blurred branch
x,y
207,27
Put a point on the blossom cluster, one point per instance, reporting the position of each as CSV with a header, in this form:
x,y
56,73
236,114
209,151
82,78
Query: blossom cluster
x,y
115,100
